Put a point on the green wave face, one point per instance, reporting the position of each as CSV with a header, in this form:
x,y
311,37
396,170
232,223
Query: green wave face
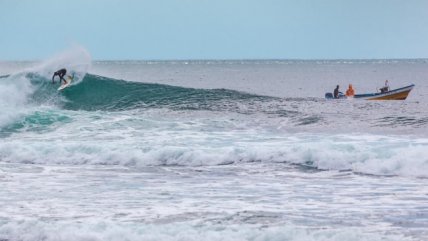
x,y
101,93
34,112
95,92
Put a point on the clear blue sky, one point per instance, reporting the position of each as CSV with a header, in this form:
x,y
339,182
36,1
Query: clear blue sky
x,y
215,29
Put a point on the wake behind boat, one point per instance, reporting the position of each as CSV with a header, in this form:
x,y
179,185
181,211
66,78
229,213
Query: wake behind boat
x,y
396,94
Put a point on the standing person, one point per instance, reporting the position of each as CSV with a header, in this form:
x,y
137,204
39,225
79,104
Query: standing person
x,y
350,91
60,73
336,92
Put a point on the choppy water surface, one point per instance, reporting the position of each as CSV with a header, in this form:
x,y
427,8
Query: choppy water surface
x,y
213,150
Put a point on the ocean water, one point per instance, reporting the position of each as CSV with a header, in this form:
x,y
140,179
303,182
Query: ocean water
x,y
212,150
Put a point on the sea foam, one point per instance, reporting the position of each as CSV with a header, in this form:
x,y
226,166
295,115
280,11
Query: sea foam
x,y
377,155
109,231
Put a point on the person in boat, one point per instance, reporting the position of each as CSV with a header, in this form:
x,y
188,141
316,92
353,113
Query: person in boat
x,y
60,73
336,92
350,91
385,88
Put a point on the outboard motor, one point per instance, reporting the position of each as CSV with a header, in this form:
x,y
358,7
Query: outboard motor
x,y
329,96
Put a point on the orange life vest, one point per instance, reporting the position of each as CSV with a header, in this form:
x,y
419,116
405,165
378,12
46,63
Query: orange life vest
x,y
350,91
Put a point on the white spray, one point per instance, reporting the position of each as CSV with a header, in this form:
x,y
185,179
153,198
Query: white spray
x,y
16,89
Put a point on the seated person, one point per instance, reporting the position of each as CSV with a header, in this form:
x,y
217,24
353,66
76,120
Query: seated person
x,y
336,92
385,88
350,91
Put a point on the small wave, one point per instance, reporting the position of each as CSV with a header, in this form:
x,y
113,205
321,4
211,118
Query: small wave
x,y
377,155
393,121
309,120
38,121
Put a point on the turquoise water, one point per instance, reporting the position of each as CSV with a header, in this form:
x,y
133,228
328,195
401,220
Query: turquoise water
x,y
213,150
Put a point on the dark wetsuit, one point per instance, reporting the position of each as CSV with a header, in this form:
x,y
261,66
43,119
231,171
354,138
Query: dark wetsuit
x,y
336,92
60,73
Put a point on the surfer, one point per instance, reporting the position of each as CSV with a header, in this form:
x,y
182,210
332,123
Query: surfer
x,y
336,92
60,73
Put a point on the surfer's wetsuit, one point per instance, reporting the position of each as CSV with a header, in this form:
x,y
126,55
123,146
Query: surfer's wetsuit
x,y
61,73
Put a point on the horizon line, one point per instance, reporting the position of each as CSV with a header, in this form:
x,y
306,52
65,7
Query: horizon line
x,y
233,59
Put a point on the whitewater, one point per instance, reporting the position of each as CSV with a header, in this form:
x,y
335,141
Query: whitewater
x,y
212,150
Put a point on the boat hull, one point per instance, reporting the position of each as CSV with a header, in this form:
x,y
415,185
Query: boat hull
x,y
397,94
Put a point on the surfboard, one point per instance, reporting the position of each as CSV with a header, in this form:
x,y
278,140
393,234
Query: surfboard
x,y
65,85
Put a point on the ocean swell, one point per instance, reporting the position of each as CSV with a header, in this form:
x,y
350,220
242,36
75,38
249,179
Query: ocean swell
x,y
102,93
